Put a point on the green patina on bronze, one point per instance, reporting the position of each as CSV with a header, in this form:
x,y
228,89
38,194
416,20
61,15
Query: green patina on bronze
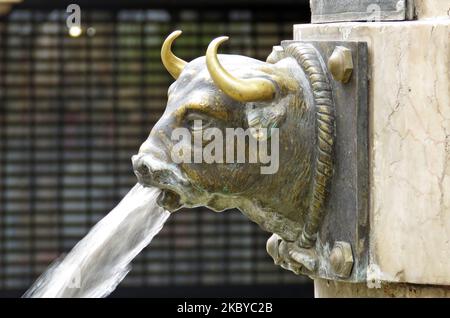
x,y
222,91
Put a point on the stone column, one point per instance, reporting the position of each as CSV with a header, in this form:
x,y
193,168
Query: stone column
x,y
409,137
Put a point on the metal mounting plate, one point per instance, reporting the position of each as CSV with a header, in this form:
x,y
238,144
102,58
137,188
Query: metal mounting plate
x,y
346,217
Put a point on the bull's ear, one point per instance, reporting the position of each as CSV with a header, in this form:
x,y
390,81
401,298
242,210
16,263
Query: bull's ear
x,y
261,119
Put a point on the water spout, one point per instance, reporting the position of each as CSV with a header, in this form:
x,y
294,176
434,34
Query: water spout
x,y
100,261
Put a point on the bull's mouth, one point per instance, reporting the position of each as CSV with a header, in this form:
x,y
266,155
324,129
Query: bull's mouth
x,y
176,191
169,200
171,197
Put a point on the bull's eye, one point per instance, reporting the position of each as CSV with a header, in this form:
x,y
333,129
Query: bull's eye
x,y
197,122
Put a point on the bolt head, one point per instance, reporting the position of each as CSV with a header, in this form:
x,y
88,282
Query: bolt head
x,y
340,64
341,259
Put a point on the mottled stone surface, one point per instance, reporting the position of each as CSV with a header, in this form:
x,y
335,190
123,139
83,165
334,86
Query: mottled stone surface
x,y
409,145
332,289
357,10
427,9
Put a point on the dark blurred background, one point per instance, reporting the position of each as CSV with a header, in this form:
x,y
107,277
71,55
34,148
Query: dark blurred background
x,y
73,110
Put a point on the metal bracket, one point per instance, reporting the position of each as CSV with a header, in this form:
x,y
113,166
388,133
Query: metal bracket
x,y
341,245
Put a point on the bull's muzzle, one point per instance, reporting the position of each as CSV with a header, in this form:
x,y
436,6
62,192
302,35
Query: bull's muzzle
x,y
151,171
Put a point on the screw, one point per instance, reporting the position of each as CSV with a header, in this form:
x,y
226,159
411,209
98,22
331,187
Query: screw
x,y
341,259
340,64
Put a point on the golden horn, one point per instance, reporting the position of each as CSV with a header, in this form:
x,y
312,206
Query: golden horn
x,y
173,64
243,90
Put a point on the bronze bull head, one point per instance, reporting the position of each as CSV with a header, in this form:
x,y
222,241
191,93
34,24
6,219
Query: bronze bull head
x,y
290,92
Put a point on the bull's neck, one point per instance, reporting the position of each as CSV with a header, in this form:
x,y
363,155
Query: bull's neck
x,y
270,219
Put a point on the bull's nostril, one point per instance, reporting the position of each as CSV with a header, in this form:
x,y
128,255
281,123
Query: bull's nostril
x,y
144,170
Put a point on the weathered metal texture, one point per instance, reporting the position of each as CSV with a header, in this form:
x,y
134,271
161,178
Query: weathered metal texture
x,y
317,195
323,11
231,93
323,153
346,215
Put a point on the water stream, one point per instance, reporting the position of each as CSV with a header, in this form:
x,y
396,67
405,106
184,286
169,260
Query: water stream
x,y
99,262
